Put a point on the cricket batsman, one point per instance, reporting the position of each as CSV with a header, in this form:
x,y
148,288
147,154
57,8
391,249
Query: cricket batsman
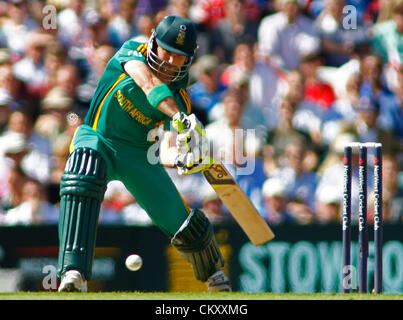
x,y
143,87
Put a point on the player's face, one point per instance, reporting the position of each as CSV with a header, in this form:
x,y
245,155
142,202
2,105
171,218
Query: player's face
x,y
169,64
171,57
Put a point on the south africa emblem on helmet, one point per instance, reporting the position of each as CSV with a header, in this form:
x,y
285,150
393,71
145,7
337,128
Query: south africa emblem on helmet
x,y
180,39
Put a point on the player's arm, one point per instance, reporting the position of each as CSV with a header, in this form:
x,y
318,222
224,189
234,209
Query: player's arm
x,y
152,86
191,144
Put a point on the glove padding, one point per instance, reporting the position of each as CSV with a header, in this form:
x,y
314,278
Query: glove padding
x,y
191,132
191,143
186,165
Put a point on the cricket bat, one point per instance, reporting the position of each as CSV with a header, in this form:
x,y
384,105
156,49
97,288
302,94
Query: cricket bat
x,y
239,205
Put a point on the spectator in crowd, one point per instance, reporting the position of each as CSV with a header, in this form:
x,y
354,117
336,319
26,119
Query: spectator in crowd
x,y
368,81
97,29
85,88
343,110
34,208
279,137
373,79
392,190
286,36
244,61
207,90
14,147
122,26
233,28
68,79
373,85
179,8
230,142
275,202
339,35
316,90
258,74
37,163
387,37
371,73
15,87
94,33
368,128
386,42
252,117
17,26
31,69
327,205
338,77
145,24
331,172
70,23
334,155
12,189
308,116
55,57
208,12
300,183
383,10
5,108
106,9
395,116
53,120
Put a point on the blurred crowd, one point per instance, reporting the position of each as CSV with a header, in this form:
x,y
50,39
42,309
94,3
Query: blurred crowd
x,y
280,85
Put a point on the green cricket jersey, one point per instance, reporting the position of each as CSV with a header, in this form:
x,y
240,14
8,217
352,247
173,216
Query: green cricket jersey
x,y
120,110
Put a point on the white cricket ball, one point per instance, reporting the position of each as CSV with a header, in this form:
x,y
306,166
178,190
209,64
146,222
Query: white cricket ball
x,y
134,262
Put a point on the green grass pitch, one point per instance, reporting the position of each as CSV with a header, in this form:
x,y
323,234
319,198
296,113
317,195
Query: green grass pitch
x,y
191,296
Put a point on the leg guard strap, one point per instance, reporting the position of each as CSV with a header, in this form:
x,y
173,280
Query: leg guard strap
x,y
196,243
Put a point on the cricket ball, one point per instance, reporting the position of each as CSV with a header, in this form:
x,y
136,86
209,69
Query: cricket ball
x,y
134,262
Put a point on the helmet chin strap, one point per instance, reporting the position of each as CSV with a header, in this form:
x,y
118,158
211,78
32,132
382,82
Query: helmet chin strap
x,y
166,71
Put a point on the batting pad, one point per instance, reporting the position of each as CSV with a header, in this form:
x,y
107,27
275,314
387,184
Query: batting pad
x,y
82,189
196,243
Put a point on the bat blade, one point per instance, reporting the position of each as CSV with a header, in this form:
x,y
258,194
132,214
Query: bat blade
x,y
239,205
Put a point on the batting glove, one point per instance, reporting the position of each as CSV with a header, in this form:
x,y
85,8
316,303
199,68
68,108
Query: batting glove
x,y
186,165
191,139
190,129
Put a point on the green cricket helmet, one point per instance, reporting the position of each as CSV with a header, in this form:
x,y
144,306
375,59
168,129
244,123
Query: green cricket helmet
x,y
174,34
